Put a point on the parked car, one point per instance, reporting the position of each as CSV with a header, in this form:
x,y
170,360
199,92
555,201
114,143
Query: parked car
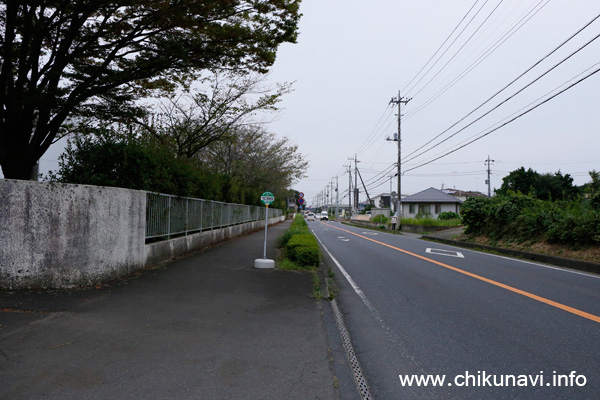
x,y
310,216
324,216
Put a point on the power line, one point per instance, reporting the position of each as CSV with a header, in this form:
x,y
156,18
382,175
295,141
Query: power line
x,y
461,47
501,103
509,121
490,50
512,82
368,142
438,50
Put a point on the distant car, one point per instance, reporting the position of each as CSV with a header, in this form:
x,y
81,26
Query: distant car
x,y
324,216
310,217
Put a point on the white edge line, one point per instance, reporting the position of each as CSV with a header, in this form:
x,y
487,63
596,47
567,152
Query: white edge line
x,y
356,288
588,274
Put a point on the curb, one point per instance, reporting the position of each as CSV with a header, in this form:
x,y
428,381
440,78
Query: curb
x,y
553,260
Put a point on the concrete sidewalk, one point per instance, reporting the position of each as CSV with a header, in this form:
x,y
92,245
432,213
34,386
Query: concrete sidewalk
x,y
209,326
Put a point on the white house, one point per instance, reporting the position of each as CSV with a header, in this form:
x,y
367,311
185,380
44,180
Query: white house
x,y
431,201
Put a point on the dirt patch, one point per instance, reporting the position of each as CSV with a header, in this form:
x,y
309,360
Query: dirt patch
x,y
591,254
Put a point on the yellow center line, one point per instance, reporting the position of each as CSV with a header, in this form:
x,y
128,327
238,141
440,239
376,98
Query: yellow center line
x,y
481,278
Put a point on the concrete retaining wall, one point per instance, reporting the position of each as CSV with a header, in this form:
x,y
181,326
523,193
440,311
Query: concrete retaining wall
x,y
405,227
58,235
62,236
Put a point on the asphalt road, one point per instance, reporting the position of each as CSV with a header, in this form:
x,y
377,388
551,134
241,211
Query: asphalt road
x,y
490,326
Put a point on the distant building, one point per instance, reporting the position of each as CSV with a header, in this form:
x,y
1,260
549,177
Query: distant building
x,y
462,195
383,200
430,201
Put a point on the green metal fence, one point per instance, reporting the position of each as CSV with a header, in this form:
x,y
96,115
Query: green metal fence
x,y
168,216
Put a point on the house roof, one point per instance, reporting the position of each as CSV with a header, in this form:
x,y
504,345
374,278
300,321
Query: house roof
x,y
431,195
463,193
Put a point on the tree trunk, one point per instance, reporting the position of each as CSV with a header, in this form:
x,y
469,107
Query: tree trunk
x,y
21,170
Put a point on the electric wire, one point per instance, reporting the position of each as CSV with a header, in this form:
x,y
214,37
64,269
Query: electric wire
x,y
368,141
409,158
441,46
511,83
508,121
448,48
488,52
537,100
460,49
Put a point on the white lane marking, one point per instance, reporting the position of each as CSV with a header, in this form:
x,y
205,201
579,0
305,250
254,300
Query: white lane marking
x,y
356,288
572,271
568,270
370,233
449,253
343,238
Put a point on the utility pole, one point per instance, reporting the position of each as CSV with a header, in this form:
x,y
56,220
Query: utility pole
x,y
331,197
349,189
399,100
489,182
337,198
355,159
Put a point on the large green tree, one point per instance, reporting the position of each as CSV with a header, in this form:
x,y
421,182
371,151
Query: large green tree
x,y
542,186
112,158
64,57
255,161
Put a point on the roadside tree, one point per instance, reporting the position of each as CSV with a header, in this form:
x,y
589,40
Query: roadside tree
x,y
221,104
542,186
80,57
255,160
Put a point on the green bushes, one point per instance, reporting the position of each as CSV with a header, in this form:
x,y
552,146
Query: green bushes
x,y
304,250
380,219
431,222
517,217
448,215
300,245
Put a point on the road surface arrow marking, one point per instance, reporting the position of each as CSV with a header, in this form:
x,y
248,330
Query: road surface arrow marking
x,y
449,253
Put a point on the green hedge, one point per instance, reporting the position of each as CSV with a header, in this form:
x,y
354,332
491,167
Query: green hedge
x,y
518,217
300,245
304,250
298,226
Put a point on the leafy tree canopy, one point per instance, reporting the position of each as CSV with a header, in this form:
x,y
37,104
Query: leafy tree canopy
x,y
542,186
236,169
62,58
257,161
109,158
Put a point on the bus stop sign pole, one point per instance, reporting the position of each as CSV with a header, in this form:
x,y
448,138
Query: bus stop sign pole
x,y
266,225
266,198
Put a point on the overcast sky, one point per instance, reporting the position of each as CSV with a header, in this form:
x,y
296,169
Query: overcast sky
x,y
448,57
352,58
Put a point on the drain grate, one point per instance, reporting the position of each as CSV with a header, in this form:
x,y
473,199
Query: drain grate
x,y
361,382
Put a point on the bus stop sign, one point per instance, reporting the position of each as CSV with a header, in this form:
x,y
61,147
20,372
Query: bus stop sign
x,y
267,198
